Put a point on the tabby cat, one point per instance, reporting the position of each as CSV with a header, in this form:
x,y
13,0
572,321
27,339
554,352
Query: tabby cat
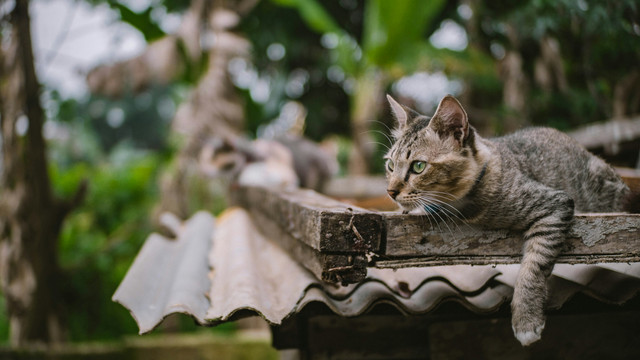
x,y
529,181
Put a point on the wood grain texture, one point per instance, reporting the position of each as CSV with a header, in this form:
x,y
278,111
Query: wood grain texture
x,y
337,241
594,238
321,223
320,233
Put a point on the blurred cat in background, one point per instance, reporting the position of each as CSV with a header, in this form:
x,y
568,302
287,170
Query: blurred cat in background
x,y
286,162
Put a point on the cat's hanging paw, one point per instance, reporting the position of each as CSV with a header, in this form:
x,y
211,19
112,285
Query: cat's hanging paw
x,y
528,332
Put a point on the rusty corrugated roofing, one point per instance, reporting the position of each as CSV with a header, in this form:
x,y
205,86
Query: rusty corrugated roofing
x,y
244,270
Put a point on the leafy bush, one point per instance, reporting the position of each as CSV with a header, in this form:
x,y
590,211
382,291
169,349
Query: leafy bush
x,y
100,239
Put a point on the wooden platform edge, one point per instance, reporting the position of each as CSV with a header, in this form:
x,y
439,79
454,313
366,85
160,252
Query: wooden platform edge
x,y
337,241
612,236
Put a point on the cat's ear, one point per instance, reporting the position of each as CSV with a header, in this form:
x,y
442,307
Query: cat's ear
x,y
399,112
450,119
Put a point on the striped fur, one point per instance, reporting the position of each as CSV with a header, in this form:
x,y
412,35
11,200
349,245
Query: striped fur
x,y
530,181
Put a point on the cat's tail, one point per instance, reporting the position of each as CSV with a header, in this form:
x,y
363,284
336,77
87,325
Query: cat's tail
x,y
632,202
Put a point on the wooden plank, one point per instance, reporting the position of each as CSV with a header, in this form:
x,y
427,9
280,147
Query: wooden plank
x,y
586,330
594,238
319,222
631,177
333,268
365,337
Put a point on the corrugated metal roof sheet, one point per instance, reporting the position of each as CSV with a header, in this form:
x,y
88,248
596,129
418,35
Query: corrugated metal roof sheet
x,y
250,272
244,271
170,275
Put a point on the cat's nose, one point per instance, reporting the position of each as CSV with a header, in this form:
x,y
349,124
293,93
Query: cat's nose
x,y
393,193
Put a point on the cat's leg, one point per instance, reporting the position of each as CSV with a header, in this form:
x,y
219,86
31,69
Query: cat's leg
x,y
544,239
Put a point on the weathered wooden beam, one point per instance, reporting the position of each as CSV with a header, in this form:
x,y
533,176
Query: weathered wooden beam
x,y
335,240
329,267
595,238
330,238
319,222
631,177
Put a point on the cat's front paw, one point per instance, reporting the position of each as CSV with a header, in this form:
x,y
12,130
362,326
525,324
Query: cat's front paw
x,y
527,330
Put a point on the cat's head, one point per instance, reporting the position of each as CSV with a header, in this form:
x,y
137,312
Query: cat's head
x,y
433,161
224,157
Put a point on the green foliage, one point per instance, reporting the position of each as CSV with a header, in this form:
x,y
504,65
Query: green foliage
x,y
141,21
145,23
599,42
393,43
193,69
100,239
325,98
4,322
395,30
102,123
313,14
394,37
344,54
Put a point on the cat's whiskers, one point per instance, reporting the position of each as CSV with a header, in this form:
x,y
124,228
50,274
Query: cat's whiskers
x,y
381,123
378,143
442,198
443,193
448,207
424,214
444,219
425,203
446,212
380,132
444,207
418,203
437,198
429,217
445,197
383,134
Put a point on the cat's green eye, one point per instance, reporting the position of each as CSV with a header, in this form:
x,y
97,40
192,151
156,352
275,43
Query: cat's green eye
x,y
418,166
390,165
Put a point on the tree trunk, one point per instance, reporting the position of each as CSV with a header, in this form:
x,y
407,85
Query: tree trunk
x,y
515,85
623,99
213,108
30,217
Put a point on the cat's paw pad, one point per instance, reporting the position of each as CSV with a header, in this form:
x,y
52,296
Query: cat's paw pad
x,y
528,333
